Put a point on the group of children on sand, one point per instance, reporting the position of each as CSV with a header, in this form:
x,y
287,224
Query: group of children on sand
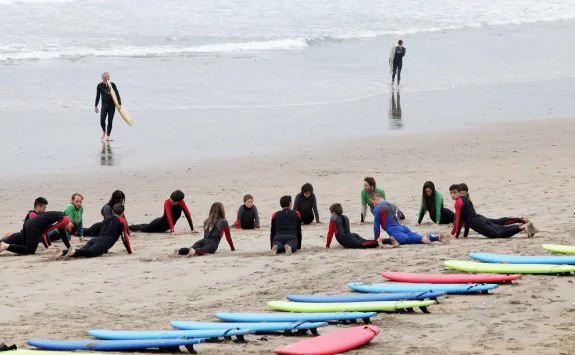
x,y
286,224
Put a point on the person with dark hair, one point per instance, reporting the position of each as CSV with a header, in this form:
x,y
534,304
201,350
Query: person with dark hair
x,y
386,217
339,225
40,205
248,216
432,202
36,230
215,227
106,211
306,204
113,228
173,208
466,217
397,64
285,231
369,187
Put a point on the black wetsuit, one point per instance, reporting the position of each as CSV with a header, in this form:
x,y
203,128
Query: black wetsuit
x,y
16,238
398,63
286,230
211,240
108,107
465,216
112,229
166,223
248,218
339,225
35,231
307,208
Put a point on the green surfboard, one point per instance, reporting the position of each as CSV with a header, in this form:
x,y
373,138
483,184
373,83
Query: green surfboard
x,y
489,268
563,249
304,307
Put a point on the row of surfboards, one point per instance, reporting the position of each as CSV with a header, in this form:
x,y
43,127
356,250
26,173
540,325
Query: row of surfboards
x,y
303,313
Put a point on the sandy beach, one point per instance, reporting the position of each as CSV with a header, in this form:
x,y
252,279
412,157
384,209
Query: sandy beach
x,y
523,168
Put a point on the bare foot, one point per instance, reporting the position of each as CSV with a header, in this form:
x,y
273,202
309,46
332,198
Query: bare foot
x,y
103,136
176,252
425,240
109,139
58,255
527,229
274,250
192,252
3,246
69,254
288,250
394,243
525,219
444,238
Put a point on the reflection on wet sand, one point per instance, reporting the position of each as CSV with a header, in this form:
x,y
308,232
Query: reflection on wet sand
x,y
395,121
106,155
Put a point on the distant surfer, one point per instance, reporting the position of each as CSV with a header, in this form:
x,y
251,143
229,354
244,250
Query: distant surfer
x,y
396,61
108,107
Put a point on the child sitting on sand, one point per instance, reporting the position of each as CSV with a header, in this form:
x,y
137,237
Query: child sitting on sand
x,y
306,204
339,225
248,216
285,231
112,229
173,208
215,226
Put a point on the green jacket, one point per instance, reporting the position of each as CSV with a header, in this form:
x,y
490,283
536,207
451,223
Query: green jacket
x,y
76,216
438,207
366,197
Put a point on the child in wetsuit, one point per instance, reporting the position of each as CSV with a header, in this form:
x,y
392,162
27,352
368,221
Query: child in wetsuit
x,y
466,217
36,230
339,225
173,208
40,205
248,216
432,202
385,215
106,211
215,226
306,204
113,228
285,231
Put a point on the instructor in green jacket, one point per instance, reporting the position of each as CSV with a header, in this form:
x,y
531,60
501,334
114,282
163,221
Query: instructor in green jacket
x,y
432,202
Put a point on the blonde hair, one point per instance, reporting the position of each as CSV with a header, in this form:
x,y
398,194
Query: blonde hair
x,y
104,74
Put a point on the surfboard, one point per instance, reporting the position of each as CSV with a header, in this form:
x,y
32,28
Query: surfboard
x,y
335,342
421,287
106,345
471,266
520,259
391,57
381,306
260,327
295,317
370,297
167,334
563,249
447,278
41,352
123,112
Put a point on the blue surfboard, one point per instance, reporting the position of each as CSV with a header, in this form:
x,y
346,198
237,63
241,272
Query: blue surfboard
x,y
417,287
258,327
110,345
372,297
520,259
167,334
294,317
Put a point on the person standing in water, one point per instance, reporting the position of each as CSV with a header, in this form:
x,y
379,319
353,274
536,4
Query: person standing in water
x,y
108,108
398,55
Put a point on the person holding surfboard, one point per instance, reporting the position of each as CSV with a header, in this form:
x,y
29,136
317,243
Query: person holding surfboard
x,y
396,61
108,107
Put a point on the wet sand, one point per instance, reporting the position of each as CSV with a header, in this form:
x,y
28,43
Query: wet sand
x,y
523,168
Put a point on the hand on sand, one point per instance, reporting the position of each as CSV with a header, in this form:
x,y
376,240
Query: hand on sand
x,y
53,247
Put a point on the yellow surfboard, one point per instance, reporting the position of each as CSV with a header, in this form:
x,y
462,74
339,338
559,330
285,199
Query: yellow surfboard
x,y
123,112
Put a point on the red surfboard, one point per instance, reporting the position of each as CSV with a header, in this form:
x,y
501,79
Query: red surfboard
x,y
332,343
448,278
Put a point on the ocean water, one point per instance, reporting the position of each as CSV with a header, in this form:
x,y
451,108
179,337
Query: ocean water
x,y
211,78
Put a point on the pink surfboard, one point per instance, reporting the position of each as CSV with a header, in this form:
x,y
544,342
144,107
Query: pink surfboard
x,y
332,343
448,278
